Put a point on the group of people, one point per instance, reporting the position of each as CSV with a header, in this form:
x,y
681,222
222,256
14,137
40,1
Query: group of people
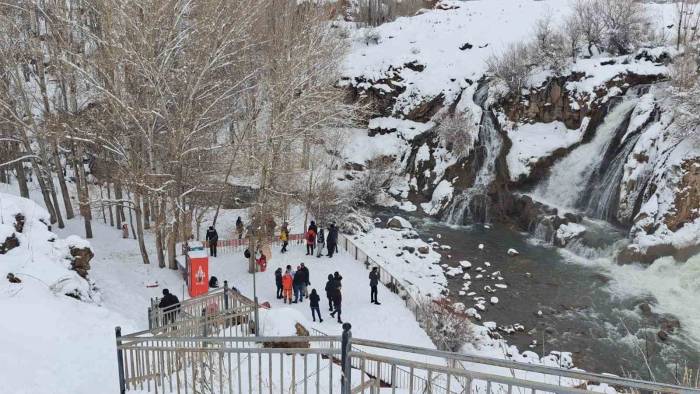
x,y
292,283
314,236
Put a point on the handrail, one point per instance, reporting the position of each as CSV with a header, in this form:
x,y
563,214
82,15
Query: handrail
x,y
216,345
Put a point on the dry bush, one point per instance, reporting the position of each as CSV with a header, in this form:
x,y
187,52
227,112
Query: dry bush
x,y
512,66
456,132
448,329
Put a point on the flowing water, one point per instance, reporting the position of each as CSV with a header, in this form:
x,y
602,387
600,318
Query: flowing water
x,y
473,204
570,176
590,306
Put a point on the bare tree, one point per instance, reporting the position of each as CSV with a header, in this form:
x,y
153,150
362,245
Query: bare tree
x,y
512,66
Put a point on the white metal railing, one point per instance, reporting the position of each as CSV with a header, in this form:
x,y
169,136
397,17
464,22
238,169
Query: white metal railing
x,y
325,364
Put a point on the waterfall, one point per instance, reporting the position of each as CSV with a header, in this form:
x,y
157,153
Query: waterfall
x,y
474,203
570,176
603,200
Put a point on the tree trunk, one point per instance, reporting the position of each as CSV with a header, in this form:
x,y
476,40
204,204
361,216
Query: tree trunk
x,y
62,182
139,227
102,205
120,205
131,219
21,180
172,240
109,205
159,208
147,213
83,193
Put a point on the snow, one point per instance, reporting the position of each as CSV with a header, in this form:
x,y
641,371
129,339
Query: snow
x,y
570,230
280,322
423,154
442,195
361,148
531,142
512,252
420,273
407,129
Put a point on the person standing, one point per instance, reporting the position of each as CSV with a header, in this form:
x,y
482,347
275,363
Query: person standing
x,y
315,309
297,285
332,241
321,242
212,238
310,241
329,292
287,285
306,283
278,282
169,305
239,227
312,226
373,283
284,237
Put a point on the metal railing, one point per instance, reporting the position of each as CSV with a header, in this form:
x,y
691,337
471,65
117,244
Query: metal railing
x,y
327,364
214,302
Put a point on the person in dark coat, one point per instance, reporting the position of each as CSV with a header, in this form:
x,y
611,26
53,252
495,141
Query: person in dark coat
x,y
239,227
278,282
297,285
170,305
313,226
315,309
307,283
329,292
337,296
212,238
213,282
332,241
373,283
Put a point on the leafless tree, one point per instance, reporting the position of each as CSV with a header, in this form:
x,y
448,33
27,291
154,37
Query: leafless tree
x,y
512,66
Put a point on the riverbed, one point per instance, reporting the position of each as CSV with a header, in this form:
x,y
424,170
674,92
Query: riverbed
x,y
564,301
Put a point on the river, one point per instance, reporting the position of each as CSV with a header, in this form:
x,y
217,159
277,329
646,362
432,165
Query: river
x,y
587,307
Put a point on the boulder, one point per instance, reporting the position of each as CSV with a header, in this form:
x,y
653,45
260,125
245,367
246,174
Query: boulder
x,y
13,279
512,252
9,243
81,260
397,222
410,249
19,222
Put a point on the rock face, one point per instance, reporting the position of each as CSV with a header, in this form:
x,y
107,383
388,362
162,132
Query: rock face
x,y
687,202
81,260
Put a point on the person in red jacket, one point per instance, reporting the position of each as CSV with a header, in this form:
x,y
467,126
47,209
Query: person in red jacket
x,y
310,241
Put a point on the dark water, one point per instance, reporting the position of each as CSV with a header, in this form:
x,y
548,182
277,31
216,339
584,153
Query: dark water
x,y
579,315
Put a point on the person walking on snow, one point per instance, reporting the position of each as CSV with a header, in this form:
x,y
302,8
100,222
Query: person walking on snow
x,y
287,284
321,242
337,296
284,237
373,283
310,241
315,309
212,238
329,292
239,227
332,241
307,283
278,282
298,285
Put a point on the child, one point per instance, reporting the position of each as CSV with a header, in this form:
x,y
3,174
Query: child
x,y
287,280
315,309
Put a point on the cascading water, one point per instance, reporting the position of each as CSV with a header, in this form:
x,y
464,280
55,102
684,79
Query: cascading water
x,y
570,177
602,202
474,203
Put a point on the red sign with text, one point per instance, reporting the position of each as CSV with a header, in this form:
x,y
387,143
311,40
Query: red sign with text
x,y
197,274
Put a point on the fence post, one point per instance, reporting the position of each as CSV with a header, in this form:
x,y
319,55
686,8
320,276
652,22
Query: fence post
x,y
226,295
204,321
346,364
120,360
255,311
150,318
